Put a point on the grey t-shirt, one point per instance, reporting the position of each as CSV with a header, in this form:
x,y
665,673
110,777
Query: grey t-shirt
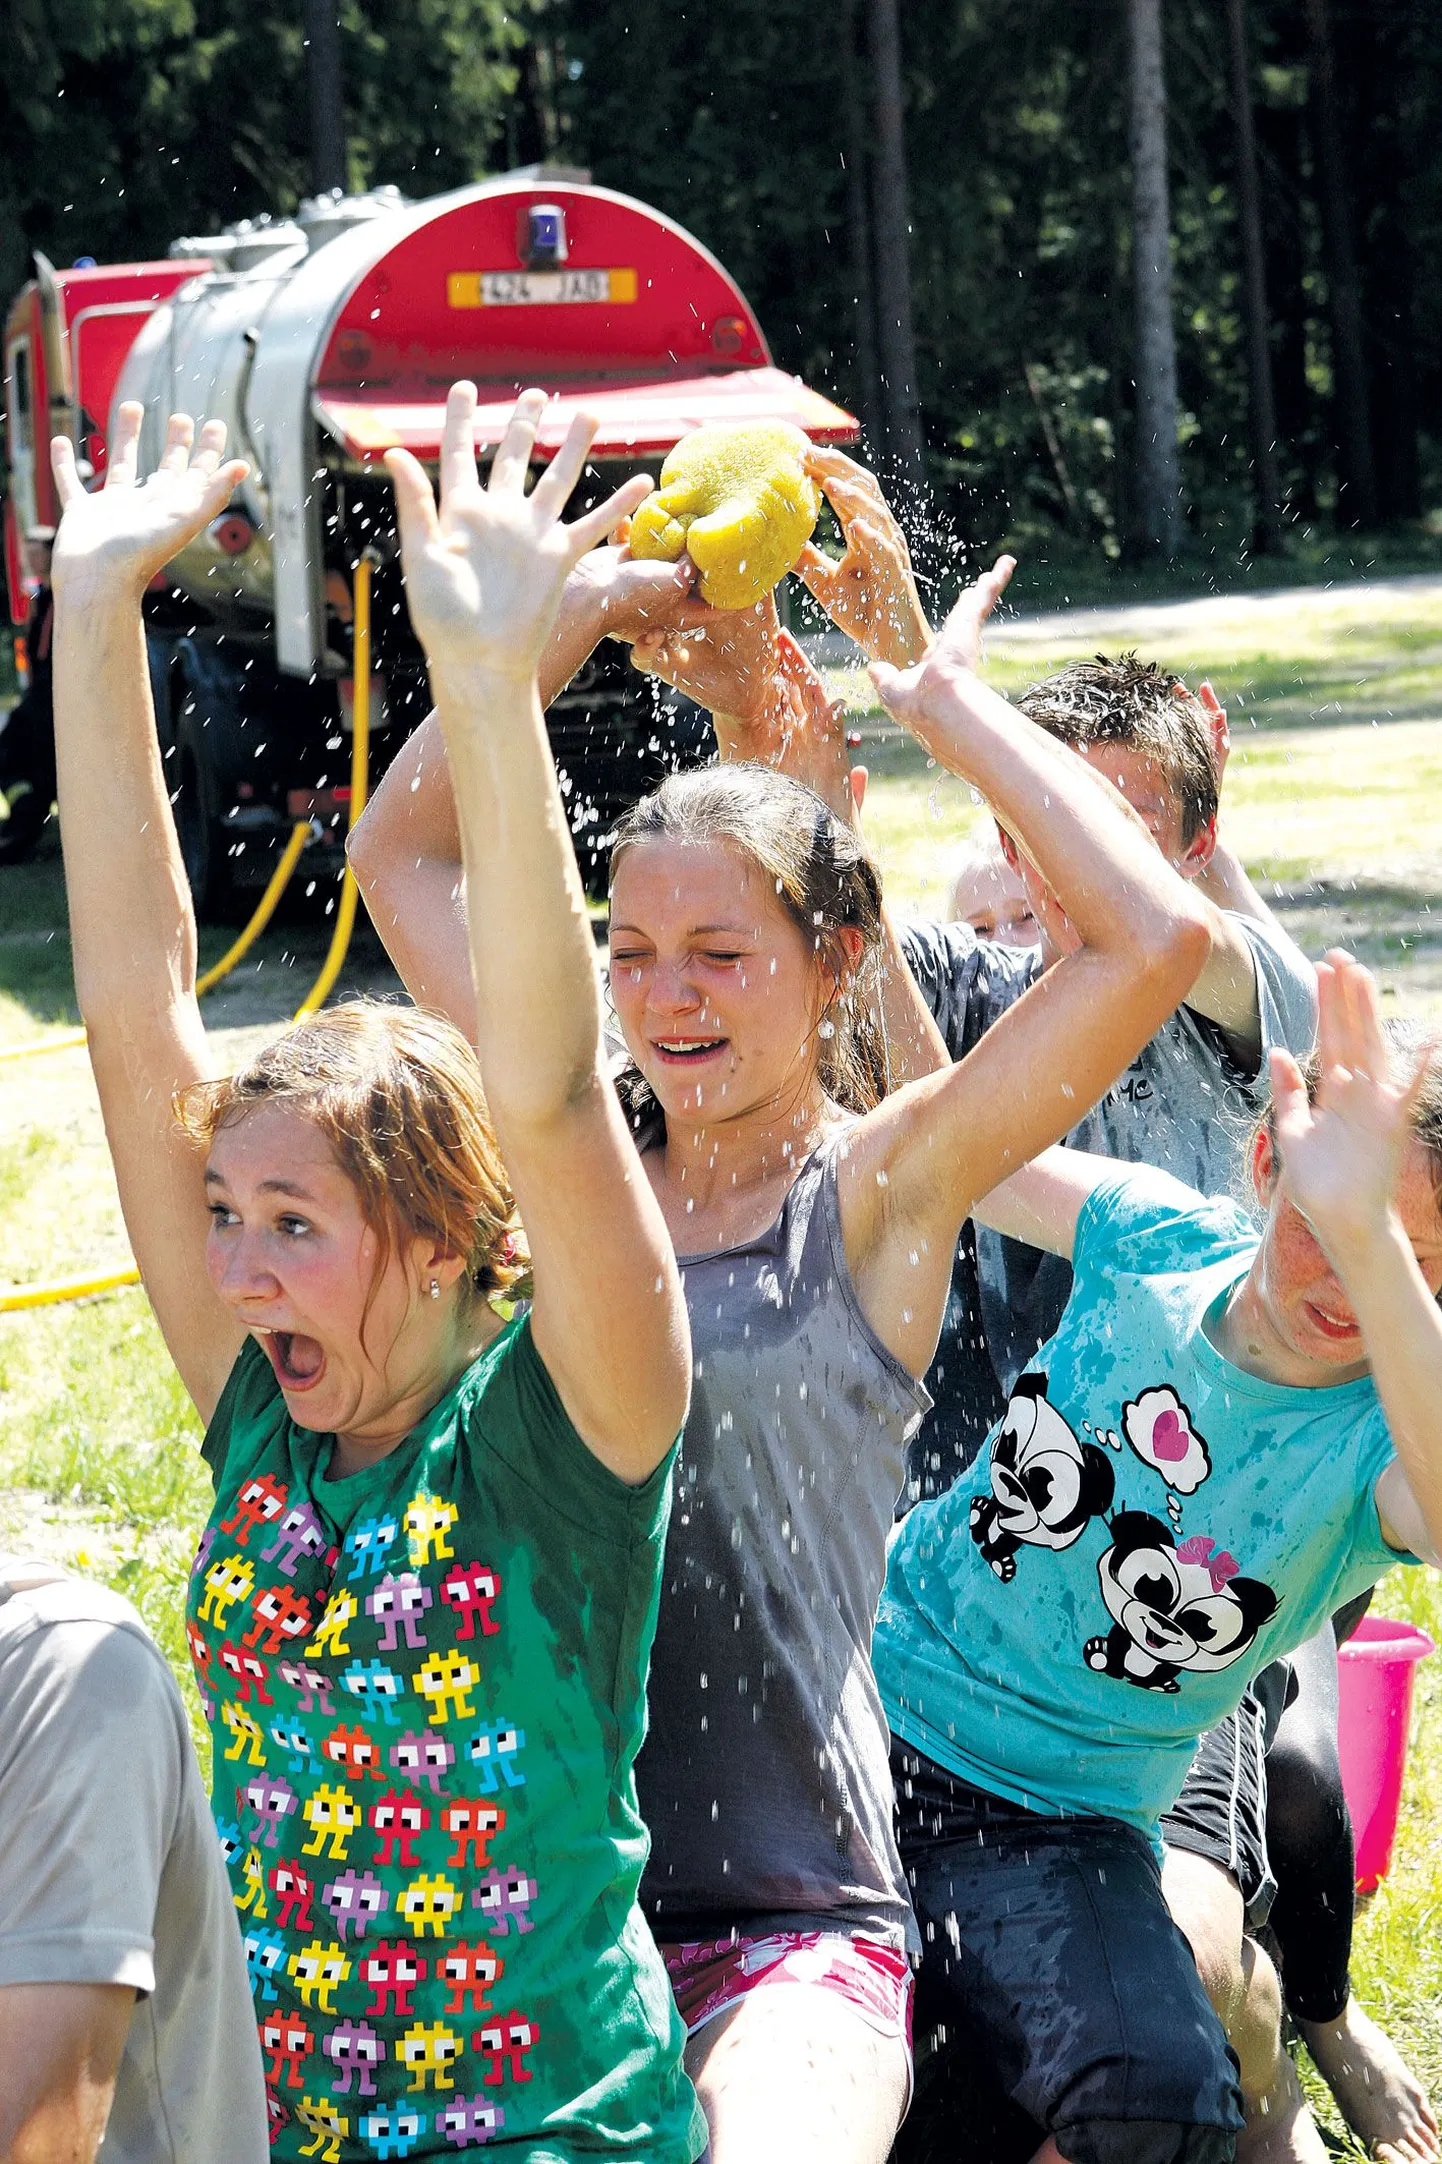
x,y
765,1778
1184,1105
110,1872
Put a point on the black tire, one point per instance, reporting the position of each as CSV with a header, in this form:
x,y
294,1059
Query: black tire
x,y
204,849
26,811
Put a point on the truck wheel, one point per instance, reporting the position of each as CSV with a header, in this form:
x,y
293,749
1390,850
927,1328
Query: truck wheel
x,y
27,774
203,846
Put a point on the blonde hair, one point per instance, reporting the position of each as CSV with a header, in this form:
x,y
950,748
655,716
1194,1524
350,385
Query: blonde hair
x,y
397,1094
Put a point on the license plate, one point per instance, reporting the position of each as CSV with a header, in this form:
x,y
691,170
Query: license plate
x,y
538,289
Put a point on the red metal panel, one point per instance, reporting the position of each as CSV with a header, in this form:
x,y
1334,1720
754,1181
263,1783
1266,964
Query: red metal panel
x,y
639,419
415,323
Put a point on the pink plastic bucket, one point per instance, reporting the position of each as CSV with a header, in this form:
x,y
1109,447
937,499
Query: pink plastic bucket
x,y
1378,1665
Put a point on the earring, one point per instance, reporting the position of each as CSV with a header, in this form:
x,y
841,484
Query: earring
x,y
435,1289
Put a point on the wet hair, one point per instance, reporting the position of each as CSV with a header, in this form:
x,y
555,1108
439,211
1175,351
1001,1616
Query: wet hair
x,y
1142,707
1405,1043
396,1093
824,881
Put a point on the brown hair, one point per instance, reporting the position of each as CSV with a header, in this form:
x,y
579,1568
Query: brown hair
x,y
396,1092
1143,707
1406,1041
824,881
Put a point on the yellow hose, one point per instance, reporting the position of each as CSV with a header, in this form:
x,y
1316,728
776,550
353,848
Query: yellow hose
x,y
265,910
66,1288
77,1288
320,991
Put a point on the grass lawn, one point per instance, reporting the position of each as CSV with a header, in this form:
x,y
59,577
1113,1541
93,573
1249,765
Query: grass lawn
x,y
1334,799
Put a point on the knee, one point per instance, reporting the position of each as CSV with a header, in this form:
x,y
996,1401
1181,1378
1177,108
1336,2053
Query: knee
x,y
1255,2031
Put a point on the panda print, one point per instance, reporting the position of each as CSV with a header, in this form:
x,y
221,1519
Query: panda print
x,y
1174,1607
1046,1487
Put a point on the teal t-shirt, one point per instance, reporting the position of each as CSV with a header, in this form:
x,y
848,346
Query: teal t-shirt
x,y
1147,1527
426,1685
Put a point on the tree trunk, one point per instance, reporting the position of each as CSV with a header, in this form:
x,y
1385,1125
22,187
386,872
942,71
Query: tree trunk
x,y
1262,409
327,102
1380,60
1157,484
858,226
896,343
1357,483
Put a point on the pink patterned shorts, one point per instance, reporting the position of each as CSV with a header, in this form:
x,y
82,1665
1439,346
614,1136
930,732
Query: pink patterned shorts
x,y
874,1978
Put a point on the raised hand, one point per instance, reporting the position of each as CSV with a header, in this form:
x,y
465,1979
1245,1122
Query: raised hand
x,y
870,591
724,659
910,696
1341,1154
124,533
484,569
630,600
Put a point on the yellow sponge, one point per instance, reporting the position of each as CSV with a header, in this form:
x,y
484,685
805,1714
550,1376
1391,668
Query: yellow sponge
x,y
737,499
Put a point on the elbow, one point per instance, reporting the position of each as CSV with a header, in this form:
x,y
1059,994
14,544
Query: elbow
x,y
365,851
1179,948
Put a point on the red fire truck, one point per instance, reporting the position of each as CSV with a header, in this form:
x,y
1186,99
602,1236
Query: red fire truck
x,y
321,341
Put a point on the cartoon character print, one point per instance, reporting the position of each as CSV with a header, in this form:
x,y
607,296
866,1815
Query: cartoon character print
x,y
1046,1486
383,1753
1175,1607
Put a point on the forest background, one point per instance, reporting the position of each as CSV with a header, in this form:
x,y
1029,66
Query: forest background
x,y
800,147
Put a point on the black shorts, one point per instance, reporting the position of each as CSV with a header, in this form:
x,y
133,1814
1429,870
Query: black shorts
x,y
1049,1961
1221,1812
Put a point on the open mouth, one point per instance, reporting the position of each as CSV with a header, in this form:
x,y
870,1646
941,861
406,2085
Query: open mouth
x,y
687,1051
1337,1327
298,1360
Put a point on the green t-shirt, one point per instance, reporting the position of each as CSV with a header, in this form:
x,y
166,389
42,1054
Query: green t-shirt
x,y
426,1686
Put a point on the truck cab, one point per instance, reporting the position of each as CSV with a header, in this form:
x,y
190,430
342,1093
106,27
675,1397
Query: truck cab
x,y
322,341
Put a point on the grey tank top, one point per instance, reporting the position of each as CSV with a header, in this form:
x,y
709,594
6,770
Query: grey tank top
x,y
764,1778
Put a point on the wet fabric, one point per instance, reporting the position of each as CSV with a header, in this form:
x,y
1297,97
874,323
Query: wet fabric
x,y
1185,1104
708,1976
1146,1530
1048,1950
764,1780
1221,1812
109,1873
426,1686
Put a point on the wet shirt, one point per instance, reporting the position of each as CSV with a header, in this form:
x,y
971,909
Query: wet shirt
x,y
765,1778
1147,1529
1185,1104
426,1687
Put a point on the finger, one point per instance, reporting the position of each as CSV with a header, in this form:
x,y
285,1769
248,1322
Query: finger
x,y
620,534
123,449
222,485
179,435
68,484
458,472
860,776
211,448
1291,1113
1331,1016
828,465
819,573
508,467
589,531
552,492
1372,1033
416,517
889,687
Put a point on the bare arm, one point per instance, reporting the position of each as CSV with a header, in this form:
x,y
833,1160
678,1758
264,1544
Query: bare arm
x,y
1226,991
1341,1164
406,849
919,1162
484,576
131,924
60,2050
